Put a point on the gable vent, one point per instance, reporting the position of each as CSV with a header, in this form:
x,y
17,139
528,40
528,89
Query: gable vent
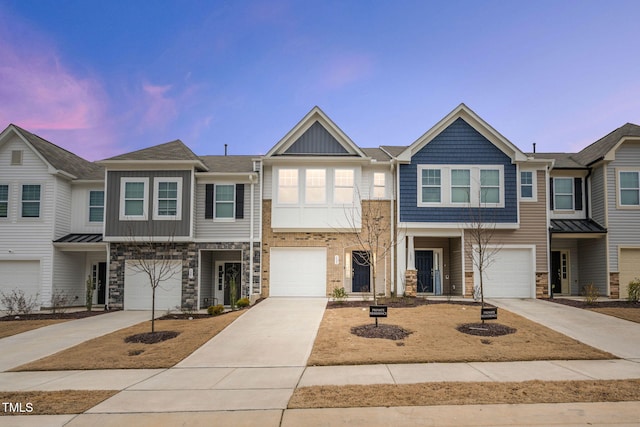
x,y
16,157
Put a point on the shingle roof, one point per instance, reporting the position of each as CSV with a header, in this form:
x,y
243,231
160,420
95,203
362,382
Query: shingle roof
x,y
394,150
377,154
562,160
235,163
174,150
601,147
576,226
62,159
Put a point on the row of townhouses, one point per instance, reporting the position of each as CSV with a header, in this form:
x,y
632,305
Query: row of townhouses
x,y
283,223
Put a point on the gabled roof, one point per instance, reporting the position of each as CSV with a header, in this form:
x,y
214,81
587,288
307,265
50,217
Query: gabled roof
x,y
169,152
561,160
473,120
607,144
393,150
377,154
315,135
229,164
57,157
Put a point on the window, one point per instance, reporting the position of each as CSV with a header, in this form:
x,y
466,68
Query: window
x,y
629,188
379,190
489,186
31,201
167,203
315,186
134,198
343,184
563,193
526,185
460,186
4,200
288,186
224,201
16,157
96,206
431,184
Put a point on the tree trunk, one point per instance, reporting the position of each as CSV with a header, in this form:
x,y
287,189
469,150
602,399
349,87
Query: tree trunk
x,y
153,309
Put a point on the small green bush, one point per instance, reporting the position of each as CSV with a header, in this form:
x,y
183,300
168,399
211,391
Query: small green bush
x,y
591,293
243,302
634,290
339,295
215,310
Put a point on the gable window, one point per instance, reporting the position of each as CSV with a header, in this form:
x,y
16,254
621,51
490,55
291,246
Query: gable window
x,y
31,201
4,200
167,202
629,188
315,186
96,206
288,186
379,190
563,193
489,186
343,186
224,201
134,198
16,157
431,185
526,185
460,186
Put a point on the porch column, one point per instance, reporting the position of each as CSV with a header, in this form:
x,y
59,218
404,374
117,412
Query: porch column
x,y
411,255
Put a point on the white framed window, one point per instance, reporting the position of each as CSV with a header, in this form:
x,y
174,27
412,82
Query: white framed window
x,y
460,186
134,199
167,201
628,188
4,200
379,185
96,206
343,183
31,201
431,183
224,202
489,186
288,186
527,186
563,194
315,186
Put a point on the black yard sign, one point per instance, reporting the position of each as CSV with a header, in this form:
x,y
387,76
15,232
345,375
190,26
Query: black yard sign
x,y
377,311
489,313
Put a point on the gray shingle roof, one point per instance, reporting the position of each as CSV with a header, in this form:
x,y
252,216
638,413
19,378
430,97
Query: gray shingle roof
x,y
377,154
394,150
235,163
601,147
174,150
562,160
62,159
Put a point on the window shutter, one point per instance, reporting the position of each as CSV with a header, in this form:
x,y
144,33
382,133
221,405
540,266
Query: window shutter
x,y
551,193
239,201
208,201
577,193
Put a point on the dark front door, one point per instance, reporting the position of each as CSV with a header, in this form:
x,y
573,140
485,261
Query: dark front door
x,y
360,270
232,272
102,282
556,278
424,265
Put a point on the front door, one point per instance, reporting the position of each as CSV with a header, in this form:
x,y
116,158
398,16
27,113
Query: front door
x,y
99,282
232,279
560,272
360,269
424,265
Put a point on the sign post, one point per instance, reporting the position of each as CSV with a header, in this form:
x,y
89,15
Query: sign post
x,y
377,311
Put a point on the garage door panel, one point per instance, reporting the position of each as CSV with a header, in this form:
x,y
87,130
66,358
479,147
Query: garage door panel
x,y
24,275
629,265
510,275
137,289
298,272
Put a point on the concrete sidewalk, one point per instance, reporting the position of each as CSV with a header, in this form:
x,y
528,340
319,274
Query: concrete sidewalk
x,y
33,345
616,336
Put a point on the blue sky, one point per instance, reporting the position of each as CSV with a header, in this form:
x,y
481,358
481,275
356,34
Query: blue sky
x,y
103,78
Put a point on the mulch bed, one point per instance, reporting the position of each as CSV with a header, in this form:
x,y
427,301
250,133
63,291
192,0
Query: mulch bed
x,y
596,304
389,332
401,302
151,337
44,316
485,329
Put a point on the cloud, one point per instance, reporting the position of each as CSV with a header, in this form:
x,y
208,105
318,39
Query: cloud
x,y
158,107
343,70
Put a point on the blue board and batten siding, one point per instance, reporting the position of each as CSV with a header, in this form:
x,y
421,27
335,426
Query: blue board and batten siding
x,y
457,144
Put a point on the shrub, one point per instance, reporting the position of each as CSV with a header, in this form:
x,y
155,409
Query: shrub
x,y
89,296
215,310
60,301
634,290
339,295
243,302
591,293
15,302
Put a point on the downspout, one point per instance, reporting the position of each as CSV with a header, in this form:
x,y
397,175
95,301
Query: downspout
x,y
394,231
251,237
260,193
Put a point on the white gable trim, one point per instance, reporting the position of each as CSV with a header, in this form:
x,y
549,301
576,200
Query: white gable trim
x,y
464,112
611,154
316,114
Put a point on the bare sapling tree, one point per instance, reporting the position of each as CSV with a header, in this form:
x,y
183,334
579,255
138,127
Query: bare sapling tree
x,y
155,260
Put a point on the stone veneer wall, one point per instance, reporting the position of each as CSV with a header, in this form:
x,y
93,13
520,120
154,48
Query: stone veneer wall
x,y
542,285
335,242
188,254
614,285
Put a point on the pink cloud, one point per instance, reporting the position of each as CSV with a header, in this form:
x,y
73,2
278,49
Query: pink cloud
x,y
343,70
158,107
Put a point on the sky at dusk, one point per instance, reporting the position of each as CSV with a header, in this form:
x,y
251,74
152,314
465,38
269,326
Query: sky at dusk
x,y
101,78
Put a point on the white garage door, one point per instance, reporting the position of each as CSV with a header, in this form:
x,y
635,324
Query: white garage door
x,y
23,275
629,264
510,275
298,272
137,289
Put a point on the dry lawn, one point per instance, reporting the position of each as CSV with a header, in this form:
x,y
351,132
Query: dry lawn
x,y
435,339
56,402
14,327
111,352
462,393
632,313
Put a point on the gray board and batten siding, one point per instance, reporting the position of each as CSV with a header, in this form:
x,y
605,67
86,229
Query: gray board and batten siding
x,y
317,141
157,228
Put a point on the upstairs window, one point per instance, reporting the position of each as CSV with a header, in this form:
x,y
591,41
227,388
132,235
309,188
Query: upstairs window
x,y
167,203
288,186
460,186
563,193
379,188
134,198
31,201
629,188
431,186
96,206
315,186
526,185
225,201
343,184
489,186
4,200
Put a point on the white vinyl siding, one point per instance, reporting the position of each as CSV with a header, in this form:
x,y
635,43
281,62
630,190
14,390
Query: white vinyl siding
x,y
134,198
96,206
